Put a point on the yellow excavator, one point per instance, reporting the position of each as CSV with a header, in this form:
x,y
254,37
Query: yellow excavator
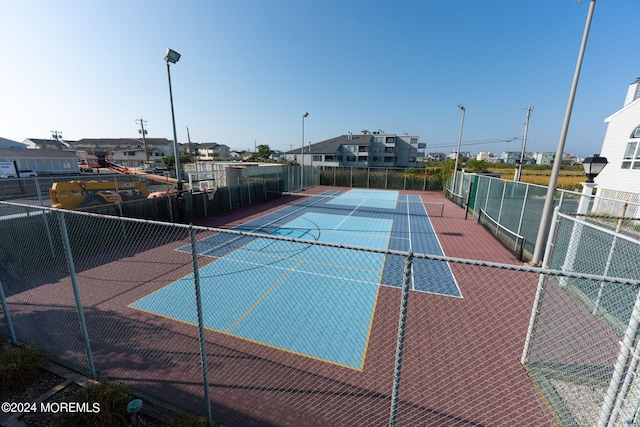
x,y
84,194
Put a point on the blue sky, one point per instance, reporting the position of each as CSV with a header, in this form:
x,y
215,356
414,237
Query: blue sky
x,y
250,69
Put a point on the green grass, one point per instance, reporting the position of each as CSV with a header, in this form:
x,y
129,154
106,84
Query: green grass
x,y
113,399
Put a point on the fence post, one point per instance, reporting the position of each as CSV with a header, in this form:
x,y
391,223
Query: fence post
x,y
504,190
524,203
535,310
626,346
486,199
76,292
203,348
397,369
7,315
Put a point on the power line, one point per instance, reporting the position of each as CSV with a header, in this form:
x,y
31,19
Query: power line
x,y
477,142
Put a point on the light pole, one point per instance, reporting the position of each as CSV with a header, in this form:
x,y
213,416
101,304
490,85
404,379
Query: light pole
x,y
171,56
455,168
302,153
547,210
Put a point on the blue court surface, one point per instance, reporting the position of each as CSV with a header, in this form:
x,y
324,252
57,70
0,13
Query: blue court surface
x,y
306,299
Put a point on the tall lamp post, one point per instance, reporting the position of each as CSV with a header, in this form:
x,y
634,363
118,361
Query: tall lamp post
x,y
455,168
171,56
302,153
547,210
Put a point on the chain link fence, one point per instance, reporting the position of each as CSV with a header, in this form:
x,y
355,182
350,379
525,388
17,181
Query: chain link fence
x,y
582,350
385,178
512,210
253,329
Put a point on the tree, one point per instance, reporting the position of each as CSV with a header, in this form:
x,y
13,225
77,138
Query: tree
x,y
477,166
262,154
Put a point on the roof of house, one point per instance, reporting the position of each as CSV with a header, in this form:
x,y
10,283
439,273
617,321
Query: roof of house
x,y
109,142
8,143
33,154
330,146
60,144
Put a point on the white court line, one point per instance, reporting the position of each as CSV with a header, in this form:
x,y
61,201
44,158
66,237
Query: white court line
x,y
413,278
257,228
350,213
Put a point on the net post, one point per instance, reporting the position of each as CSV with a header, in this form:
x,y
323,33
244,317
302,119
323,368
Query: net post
x,y
404,302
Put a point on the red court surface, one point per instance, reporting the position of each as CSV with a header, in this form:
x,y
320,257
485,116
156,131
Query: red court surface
x,y
461,356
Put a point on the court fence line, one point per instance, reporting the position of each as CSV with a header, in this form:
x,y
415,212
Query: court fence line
x,y
413,373
517,206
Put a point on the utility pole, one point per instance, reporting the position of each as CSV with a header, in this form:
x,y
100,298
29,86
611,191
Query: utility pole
x,y
190,145
56,134
518,174
144,139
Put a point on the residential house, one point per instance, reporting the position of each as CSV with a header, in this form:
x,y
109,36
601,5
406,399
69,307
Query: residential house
x,y
374,149
435,157
41,144
128,152
620,179
544,158
487,156
210,150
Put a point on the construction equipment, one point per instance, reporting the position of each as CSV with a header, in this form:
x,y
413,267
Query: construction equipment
x,y
82,194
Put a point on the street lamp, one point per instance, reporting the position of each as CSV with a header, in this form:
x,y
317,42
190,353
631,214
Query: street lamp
x,y
302,153
171,56
547,210
593,166
455,168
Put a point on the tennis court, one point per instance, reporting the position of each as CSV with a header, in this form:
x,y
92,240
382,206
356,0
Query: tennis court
x,y
274,292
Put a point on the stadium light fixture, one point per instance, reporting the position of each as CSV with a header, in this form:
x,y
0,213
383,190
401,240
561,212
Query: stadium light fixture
x,y
171,56
304,115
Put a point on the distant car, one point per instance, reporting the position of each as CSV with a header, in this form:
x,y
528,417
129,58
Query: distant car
x,y
26,173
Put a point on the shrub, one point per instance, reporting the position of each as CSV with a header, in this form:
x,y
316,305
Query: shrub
x,y
18,367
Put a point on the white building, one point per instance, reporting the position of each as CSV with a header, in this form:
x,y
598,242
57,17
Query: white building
x,y
620,179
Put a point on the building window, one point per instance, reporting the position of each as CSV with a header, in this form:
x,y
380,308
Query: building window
x,y
389,149
362,158
629,154
390,139
351,158
412,159
328,157
378,139
388,159
317,157
414,141
377,159
635,133
362,148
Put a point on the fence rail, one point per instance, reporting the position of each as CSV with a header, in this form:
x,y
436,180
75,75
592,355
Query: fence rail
x,y
517,206
161,309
